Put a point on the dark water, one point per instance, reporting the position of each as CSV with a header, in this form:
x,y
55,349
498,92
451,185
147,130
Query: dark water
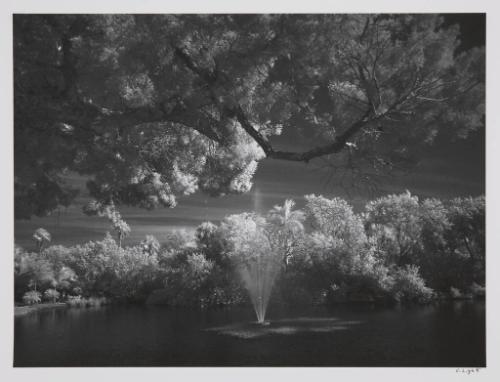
x,y
446,335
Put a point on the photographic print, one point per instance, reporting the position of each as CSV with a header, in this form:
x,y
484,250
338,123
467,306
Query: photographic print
x,y
227,189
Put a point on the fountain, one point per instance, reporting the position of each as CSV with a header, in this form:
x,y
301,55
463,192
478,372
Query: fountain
x,y
259,245
258,274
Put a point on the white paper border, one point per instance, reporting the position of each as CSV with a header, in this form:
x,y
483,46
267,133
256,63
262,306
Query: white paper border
x,y
8,373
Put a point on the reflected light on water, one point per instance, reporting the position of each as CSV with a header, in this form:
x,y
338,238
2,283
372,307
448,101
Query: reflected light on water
x,y
289,326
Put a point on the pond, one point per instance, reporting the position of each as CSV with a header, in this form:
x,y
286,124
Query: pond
x,y
447,335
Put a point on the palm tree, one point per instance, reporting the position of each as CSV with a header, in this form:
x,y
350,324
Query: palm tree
x,y
119,225
285,228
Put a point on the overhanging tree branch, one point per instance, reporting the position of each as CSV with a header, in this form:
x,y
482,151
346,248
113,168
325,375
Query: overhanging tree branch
x,y
237,112
334,147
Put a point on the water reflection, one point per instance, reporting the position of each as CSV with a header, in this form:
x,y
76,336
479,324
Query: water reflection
x,y
285,326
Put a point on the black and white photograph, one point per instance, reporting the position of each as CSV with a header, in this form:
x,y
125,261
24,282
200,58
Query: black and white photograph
x,y
271,189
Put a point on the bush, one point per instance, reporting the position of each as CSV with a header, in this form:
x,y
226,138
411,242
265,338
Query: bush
x,y
190,279
455,293
32,297
51,295
75,301
96,301
187,278
210,240
32,271
409,286
224,288
79,301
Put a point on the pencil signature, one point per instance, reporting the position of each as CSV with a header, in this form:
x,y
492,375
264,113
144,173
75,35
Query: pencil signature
x,y
468,371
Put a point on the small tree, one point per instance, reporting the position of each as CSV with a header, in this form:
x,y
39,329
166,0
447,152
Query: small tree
x,y
335,218
41,237
467,234
210,240
51,295
409,286
34,269
395,224
32,297
109,211
339,258
440,267
338,235
150,245
285,230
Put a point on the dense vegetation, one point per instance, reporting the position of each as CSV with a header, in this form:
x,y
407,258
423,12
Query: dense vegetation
x,y
397,249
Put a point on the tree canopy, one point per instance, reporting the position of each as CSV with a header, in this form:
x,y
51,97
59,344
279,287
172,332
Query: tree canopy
x,y
149,107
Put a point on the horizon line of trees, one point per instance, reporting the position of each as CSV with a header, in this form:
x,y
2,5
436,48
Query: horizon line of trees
x,y
399,248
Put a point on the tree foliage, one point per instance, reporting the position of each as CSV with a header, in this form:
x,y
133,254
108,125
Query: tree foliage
x,y
251,237
51,295
337,251
151,245
467,236
32,297
149,107
394,222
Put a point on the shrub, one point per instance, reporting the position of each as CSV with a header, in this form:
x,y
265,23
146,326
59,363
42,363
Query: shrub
x,y
75,301
223,288
455,293
65,278
409,286
32,297
76,291
190,279
150,245
103,268
187,278
210,240
95,301
178,239
79,301
32,271
51,295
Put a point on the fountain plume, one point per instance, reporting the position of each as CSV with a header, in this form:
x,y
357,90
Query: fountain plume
x,y
259,246
258,276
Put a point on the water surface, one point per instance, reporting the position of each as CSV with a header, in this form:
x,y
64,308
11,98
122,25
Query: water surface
x,y
445,335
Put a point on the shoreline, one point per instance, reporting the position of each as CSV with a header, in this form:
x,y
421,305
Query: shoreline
x,y
20,311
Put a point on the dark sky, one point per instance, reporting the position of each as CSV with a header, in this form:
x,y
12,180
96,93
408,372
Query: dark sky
x,y
448,169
